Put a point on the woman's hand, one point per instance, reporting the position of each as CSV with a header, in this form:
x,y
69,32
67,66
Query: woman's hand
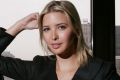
x,y
28,22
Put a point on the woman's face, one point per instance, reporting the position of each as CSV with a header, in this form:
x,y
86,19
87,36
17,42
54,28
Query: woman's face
x,y
57,32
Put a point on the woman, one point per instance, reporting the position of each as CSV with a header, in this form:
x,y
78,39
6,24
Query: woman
x,y
60,34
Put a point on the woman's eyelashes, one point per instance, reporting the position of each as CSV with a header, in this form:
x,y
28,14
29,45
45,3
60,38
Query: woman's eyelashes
x,y
45,29
62,27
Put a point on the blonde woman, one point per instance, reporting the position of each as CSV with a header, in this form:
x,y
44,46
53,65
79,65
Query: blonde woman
x,y
60,34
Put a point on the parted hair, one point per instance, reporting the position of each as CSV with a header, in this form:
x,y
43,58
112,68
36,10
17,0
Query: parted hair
x,y
69,9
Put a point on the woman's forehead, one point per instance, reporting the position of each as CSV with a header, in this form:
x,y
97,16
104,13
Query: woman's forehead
x,y
55,17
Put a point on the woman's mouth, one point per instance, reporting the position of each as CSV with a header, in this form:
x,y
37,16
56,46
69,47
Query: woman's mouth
x,y
56,45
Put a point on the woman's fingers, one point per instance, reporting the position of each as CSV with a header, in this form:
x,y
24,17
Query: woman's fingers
x,y
30,21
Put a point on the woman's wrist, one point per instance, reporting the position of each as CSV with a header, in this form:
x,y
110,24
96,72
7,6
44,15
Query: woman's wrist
x,y
15,29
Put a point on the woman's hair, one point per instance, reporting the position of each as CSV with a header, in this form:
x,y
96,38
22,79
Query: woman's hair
x,y
68,8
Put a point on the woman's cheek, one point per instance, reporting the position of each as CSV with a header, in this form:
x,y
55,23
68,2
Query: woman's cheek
x,y
65,36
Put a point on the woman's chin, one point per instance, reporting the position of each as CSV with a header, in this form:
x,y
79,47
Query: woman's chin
x,y
56,52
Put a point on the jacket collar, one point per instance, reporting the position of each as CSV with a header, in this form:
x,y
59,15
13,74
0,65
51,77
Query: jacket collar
x,y
89,71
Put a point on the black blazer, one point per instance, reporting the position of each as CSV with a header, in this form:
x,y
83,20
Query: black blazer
x,y
43,67
1,77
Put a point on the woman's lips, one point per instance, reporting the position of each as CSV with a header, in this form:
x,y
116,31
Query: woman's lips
x,y
56,45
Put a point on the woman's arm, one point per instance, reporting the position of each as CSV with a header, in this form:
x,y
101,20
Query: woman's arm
x,y
5,39
6,36
16,68
28,22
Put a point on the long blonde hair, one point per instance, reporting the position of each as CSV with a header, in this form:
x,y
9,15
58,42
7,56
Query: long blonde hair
x,y
68,8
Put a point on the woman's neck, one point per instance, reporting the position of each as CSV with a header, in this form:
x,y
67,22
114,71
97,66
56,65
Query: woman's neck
x,y
67,64
66,68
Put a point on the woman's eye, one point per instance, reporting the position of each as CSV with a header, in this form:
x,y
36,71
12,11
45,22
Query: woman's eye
x,y
61,27
46,29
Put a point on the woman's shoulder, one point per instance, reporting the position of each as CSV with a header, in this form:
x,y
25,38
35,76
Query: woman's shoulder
x,y
103,69
94,61
98,69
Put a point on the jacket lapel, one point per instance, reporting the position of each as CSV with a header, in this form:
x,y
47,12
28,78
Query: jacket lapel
x,y
89,71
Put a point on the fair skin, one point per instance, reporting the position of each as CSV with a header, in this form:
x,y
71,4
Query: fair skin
x,y
27,23
57,34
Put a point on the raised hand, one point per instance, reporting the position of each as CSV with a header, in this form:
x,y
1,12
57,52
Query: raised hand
x,y
28,22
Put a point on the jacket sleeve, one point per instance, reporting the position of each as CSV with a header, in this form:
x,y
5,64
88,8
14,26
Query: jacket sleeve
x,y
12,67
23,70
16,68
5,39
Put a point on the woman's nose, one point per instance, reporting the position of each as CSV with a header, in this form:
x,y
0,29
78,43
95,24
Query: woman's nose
x,y
54,35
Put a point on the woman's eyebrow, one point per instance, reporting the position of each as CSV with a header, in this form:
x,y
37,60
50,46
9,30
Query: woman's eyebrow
x,y
56,24
46,26
61,24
